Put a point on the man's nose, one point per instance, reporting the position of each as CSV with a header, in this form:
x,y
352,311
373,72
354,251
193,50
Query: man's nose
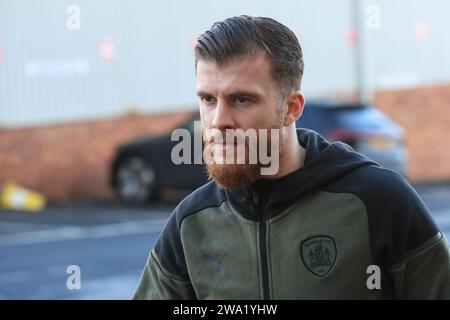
x,y
223,117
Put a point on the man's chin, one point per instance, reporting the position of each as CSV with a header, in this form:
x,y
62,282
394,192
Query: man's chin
x,y
232,176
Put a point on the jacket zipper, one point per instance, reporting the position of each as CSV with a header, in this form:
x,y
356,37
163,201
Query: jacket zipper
x,y
262,247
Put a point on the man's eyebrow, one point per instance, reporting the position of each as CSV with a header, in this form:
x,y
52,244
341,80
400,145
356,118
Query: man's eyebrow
x,y
202,93
232,95
244,93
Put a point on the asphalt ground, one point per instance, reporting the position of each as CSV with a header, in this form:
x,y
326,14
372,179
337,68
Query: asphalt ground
x,y
109,242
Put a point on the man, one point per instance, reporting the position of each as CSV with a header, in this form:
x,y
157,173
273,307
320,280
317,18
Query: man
x,y
329,224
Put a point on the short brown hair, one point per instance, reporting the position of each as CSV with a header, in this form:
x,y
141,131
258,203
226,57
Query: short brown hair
x,y
244,35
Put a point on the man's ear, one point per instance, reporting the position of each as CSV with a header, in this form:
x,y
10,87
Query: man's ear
x,y
295,104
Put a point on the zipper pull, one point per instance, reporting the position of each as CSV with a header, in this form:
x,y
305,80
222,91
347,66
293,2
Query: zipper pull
x,y
255,198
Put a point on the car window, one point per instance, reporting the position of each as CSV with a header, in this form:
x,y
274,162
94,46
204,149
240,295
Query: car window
x,y
323,119
363,118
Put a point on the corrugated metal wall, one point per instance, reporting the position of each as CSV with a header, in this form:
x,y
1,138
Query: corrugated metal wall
x,y
49,73
413,44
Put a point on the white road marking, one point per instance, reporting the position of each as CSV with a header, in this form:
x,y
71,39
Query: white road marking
x,y
14,277
76,232
8,225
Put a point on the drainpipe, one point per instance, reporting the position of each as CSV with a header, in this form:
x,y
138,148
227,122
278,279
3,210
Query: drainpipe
x,y
363,51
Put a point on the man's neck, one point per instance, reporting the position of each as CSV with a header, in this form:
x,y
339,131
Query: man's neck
x,y
293,158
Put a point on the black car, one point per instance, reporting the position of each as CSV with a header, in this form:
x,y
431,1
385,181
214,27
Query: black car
x,y
365,128
144,166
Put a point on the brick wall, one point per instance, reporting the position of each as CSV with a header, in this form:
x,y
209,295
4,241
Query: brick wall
x,y
67,162
424,113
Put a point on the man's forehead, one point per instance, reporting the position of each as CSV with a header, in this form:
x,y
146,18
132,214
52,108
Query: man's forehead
x,y
250,72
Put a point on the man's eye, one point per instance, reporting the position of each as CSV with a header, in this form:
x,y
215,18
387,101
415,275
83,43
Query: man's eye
x,y
242,99
207,99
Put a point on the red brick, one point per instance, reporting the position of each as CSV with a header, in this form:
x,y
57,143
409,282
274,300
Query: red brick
x,y
425,116
71,161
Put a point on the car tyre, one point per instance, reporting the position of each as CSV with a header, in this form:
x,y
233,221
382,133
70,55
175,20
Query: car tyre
x,y
135,181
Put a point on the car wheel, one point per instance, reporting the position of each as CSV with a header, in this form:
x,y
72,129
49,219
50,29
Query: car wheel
x,y
135,181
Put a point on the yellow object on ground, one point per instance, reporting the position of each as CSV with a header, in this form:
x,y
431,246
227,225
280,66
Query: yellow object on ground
x,y
19,198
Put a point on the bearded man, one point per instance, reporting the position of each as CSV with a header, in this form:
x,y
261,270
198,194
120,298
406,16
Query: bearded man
x,y
319,221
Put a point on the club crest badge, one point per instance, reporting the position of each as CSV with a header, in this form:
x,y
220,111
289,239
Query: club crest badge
x,y
319,254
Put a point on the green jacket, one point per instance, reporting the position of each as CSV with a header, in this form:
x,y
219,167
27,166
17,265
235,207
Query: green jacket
x,y
316,233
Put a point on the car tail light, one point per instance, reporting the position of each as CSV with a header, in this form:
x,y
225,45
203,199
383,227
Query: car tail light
x,y
345,136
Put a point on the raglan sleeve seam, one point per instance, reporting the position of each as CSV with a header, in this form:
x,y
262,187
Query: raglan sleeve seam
x,y
418,251
171,276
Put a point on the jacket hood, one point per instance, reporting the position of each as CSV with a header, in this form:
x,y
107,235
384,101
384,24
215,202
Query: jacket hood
x,y
324,163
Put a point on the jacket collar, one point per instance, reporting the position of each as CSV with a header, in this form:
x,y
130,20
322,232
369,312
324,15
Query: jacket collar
x,y
324,162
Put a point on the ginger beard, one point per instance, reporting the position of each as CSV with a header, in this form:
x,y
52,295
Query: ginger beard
x,y
237,175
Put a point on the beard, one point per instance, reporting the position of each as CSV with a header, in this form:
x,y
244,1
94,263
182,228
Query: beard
x,y
236,174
